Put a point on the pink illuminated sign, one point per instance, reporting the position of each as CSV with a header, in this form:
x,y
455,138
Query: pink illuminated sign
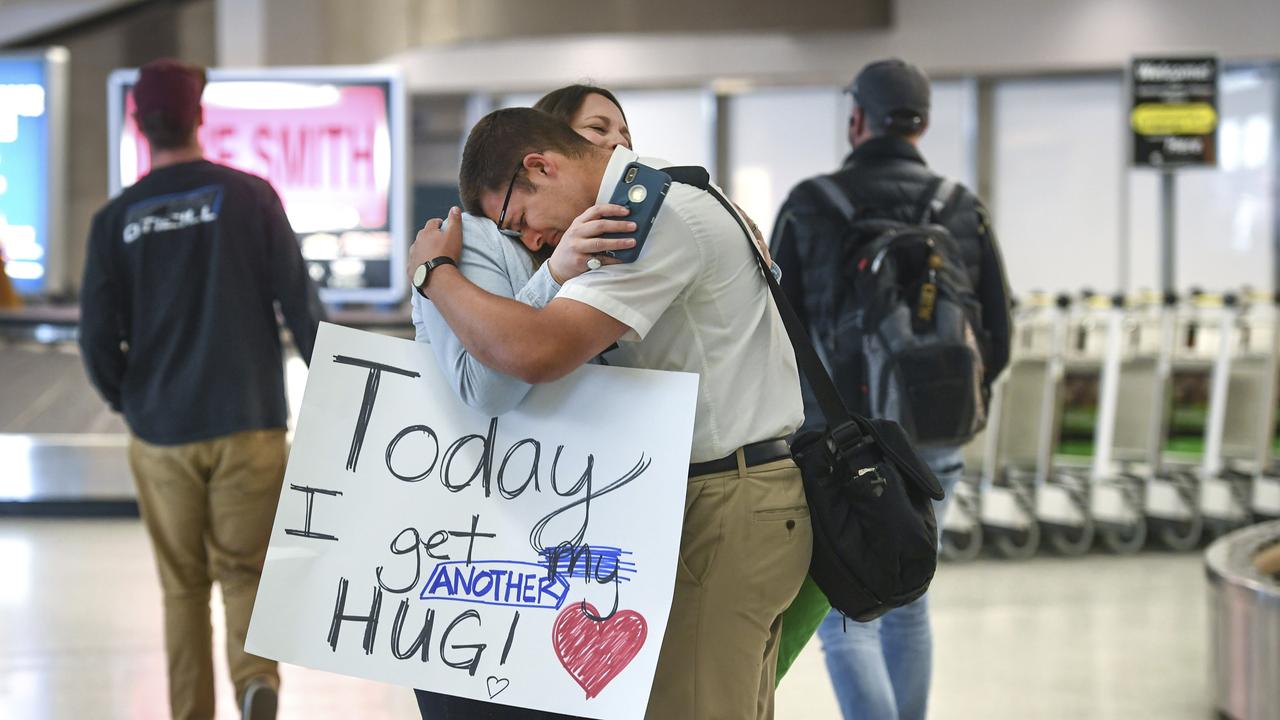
x,y
331,155
331,148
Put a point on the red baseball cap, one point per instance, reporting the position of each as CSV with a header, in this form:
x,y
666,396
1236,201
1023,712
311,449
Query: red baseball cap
x,y
171,88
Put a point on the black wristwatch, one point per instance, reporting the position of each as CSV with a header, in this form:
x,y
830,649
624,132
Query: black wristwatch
x,y
423,272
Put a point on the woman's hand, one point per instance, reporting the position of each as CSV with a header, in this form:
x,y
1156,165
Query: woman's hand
x,y
582,241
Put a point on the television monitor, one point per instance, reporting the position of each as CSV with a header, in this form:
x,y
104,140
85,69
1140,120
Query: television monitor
x,y
32,162
330,141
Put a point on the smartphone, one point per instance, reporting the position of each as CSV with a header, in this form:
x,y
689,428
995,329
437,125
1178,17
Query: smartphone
x,y
641,189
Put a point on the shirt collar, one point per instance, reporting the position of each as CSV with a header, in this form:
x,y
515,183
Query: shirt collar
x,y
886,147
613,172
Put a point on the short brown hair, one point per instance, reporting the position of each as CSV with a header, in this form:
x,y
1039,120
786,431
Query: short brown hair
x,y
501,140
163,131
565,102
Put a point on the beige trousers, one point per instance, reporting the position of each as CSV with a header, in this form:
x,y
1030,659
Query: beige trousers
x,y
744,553
208,507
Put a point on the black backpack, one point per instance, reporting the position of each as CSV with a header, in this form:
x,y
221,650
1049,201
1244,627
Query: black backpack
x,y
903,330
870,497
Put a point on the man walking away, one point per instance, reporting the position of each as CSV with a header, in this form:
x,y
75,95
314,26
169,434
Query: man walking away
x,y
178,330
897,275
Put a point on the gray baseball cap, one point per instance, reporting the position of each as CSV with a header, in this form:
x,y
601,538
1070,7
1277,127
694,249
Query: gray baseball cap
x,y
892,93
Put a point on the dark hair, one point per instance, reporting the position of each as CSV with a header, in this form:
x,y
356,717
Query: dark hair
x,y
565,102
501,140
163,131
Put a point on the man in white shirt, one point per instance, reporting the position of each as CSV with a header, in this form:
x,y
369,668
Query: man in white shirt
x,y
693,301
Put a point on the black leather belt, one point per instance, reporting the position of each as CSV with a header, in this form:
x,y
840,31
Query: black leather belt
x,y
759,453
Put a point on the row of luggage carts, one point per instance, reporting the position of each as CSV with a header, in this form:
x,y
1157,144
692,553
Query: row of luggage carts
x,y
1122,422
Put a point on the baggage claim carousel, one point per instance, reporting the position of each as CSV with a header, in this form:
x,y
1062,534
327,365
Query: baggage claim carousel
x,y
63,452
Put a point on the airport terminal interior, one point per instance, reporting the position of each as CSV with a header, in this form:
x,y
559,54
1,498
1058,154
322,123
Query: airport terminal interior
x,y
1113,549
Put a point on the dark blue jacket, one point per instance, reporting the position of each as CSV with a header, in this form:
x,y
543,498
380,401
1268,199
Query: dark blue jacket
x,y
178,325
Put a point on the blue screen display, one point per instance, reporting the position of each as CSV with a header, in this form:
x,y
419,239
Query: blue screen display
x,y
24,171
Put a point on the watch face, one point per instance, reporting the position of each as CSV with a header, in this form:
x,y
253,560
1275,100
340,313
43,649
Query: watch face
x,y
420,275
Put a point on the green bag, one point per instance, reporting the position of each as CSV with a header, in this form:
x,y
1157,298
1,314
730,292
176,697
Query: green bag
x,y
799,622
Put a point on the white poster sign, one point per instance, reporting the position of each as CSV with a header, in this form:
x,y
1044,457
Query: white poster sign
x,y
527,559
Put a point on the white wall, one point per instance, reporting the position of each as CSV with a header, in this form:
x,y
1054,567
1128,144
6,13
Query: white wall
x,y
1057,198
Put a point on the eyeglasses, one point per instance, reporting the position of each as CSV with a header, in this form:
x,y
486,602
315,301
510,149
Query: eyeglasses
x,y
502,216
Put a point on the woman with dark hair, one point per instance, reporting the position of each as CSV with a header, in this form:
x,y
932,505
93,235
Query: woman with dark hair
x,y
593,112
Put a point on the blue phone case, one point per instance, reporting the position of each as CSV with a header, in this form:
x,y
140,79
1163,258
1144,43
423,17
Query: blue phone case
x,y
641,189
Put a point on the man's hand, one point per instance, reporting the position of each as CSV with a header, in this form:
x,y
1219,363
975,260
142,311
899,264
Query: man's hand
x,y
432,241
761,245
582,241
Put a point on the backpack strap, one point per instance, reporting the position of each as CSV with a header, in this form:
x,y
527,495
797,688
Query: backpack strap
x,y
938,196
834,195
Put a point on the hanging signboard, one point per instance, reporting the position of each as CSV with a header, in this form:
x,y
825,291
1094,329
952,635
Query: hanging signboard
x,y
1174,116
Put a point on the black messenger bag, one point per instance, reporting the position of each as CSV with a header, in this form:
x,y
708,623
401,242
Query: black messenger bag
x,y
875,538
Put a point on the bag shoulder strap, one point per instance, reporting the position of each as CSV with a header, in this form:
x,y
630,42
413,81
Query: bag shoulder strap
x,y
811,366
834,195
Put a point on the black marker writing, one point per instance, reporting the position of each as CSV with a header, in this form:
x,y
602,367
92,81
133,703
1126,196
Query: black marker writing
x,y
435,453
472,664
423,641
370,621
535,535
306,531
511,636
366,404
593,565
483,468
414,540
533,469
471,536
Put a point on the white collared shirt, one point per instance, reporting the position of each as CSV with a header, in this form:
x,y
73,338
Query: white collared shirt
x,y
695,301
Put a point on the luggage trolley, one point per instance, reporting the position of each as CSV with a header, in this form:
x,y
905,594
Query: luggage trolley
x,y
1242,412
1022,494
1064,505
1266,485
962,536
1128,438
1197,355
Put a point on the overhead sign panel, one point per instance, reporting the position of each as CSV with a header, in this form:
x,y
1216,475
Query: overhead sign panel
x,y
30,165
330,142
1174,116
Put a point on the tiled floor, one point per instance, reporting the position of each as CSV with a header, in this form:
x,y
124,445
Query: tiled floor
x,y
1096,638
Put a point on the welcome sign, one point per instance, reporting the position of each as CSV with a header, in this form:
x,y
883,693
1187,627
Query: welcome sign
x,y
527,559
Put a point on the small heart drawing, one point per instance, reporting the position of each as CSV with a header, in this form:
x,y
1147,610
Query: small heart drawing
x,y
593,651
496,686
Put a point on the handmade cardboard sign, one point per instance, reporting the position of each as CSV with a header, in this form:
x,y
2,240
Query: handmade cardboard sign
x,y
527,559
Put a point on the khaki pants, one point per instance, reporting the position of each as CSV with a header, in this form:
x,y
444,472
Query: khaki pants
x,y
208,507
743,556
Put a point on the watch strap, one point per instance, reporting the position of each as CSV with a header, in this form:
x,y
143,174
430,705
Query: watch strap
x,y
431,265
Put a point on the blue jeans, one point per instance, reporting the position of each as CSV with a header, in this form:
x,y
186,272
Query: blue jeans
x,y
881,669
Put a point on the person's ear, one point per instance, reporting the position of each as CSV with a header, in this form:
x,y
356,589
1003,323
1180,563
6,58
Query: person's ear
x,y
541,165
857,120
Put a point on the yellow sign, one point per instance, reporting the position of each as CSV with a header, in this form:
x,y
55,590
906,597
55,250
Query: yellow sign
x,y
1182,119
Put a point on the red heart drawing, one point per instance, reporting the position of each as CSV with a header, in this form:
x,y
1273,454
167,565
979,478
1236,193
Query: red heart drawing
x,y
596,651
